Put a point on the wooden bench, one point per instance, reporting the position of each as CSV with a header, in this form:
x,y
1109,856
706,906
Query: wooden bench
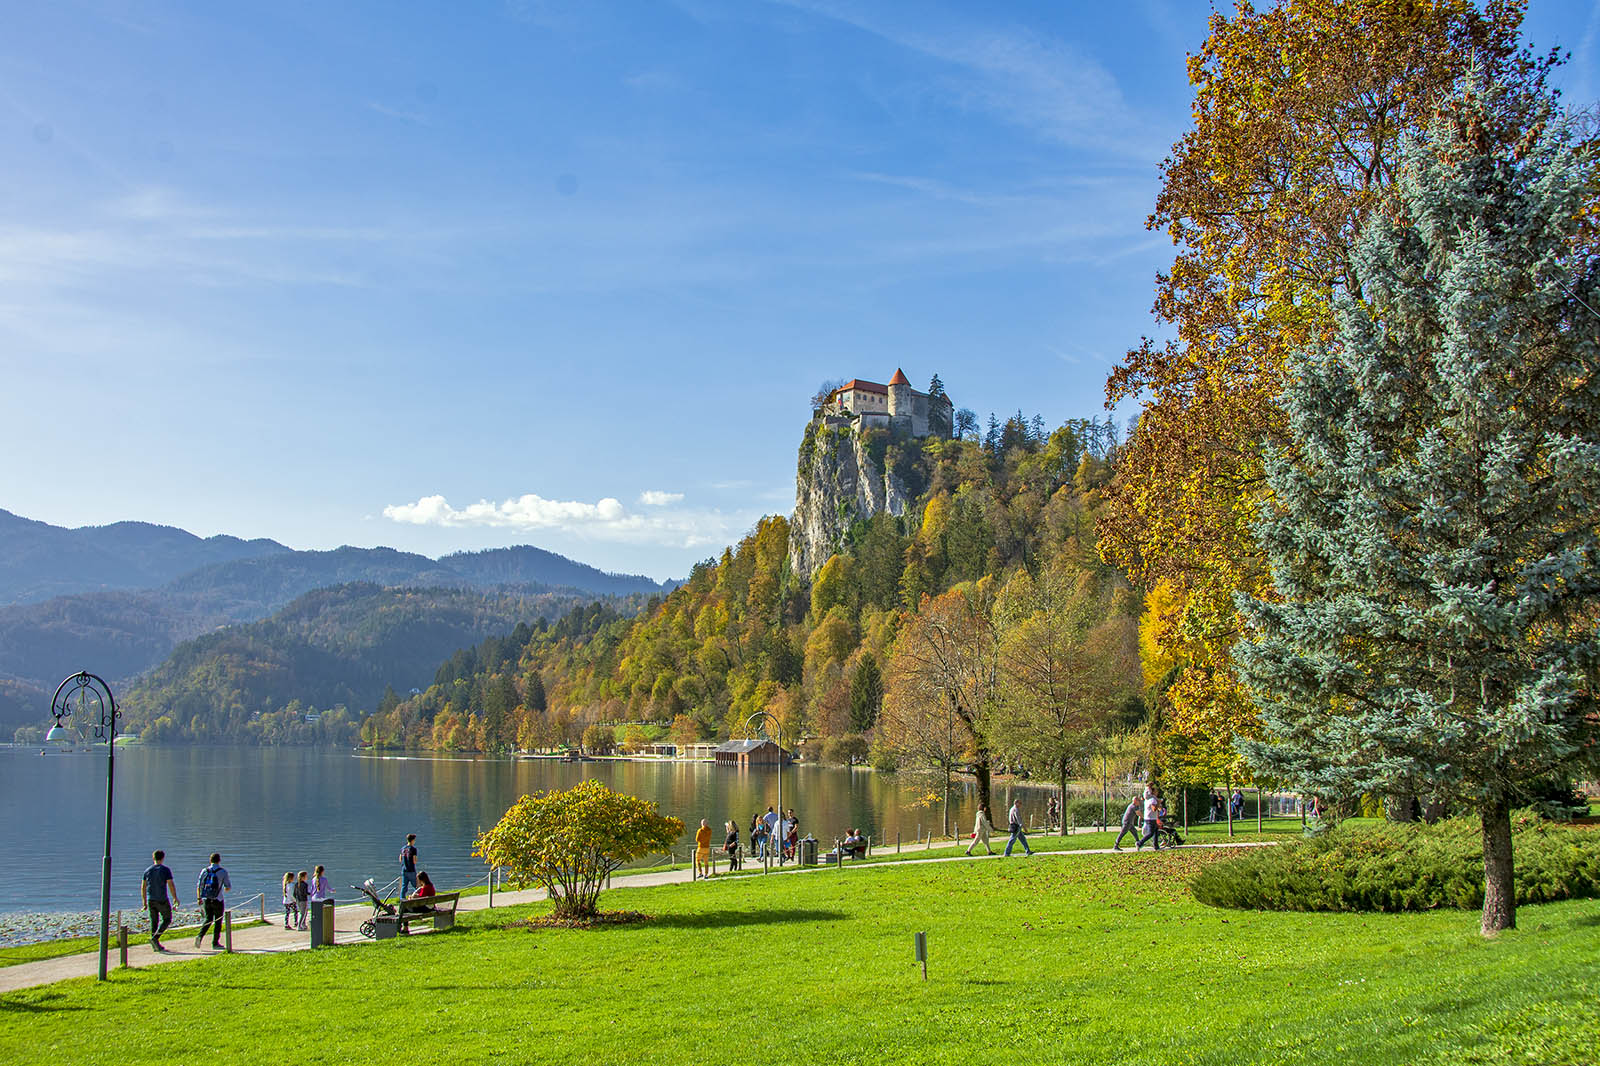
x,y
438,910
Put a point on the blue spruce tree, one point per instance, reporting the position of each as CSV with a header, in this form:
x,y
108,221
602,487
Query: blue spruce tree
x,y
1431,531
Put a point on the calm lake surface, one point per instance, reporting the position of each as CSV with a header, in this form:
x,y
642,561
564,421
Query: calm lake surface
x,y
268,810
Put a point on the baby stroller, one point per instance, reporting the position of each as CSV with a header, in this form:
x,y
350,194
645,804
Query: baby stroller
x,y
369,928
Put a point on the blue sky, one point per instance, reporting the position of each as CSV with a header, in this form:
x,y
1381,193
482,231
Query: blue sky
x,y
458,276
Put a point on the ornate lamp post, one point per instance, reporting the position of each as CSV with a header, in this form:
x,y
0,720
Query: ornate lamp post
x,y
758,723
89,699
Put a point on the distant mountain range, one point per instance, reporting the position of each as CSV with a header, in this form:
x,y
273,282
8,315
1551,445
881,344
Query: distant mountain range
x,y
118,599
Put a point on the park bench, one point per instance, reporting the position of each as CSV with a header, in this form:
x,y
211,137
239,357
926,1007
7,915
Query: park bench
x,y
438,910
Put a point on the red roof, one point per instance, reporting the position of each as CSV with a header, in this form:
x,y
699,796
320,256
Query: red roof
x,y
899,377
857,385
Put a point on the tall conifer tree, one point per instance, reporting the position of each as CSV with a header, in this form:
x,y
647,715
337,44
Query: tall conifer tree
x,y
1432,538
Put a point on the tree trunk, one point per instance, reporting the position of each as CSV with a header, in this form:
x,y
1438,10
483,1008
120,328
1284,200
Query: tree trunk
x,y
1063,797
1499,890
980,770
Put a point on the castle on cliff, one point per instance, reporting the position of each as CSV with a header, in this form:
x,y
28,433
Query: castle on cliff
x,y
896,407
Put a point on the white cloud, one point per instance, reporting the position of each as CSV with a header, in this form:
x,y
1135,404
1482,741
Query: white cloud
x,y
1029,80
605,519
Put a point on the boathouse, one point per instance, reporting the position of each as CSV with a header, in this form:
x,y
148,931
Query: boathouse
x,y
745,753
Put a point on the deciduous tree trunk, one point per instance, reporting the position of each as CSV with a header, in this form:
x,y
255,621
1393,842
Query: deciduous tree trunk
x,y
1499,891
980,770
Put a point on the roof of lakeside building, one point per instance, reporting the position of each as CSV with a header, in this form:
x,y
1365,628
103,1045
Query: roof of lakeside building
x,y
743,745
899,377
858,385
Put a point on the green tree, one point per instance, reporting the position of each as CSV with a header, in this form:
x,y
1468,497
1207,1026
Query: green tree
x,y
1067,662
570,841
1433,550
866,694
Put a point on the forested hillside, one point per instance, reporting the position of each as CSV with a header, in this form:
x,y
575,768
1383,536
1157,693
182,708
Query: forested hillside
x,y
987,589
327,655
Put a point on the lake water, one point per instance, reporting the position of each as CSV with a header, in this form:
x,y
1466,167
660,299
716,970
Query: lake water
x,y
268,810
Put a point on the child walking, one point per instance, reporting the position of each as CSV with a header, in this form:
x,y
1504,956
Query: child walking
x,y
288,900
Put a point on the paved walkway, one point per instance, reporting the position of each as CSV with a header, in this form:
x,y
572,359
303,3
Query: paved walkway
x,y
273,938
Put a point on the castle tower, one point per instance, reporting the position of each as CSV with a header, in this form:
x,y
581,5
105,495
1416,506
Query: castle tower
x,y
900,401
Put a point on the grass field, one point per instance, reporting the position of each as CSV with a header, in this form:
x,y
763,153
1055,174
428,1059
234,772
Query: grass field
x,y
75,945
1095,959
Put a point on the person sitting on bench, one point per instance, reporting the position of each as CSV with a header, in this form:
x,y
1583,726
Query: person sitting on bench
x,y
424,886
855,845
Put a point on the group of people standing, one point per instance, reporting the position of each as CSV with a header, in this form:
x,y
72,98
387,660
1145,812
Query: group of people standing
x,y
774,834
298,895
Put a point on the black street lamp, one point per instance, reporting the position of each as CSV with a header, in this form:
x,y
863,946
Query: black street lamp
x,y
89,699
758,722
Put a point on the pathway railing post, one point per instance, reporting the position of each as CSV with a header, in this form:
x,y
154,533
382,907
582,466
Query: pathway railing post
x,y
227,930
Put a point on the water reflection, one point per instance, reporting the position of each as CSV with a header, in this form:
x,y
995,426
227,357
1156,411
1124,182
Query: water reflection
x,y
272,810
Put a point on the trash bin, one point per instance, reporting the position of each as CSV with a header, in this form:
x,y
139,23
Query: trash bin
x,y
808,851
321,922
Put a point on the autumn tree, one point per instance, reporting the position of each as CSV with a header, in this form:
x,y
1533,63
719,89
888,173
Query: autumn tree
x,y
570,841
940,683
1435,559
1299,111
1066,662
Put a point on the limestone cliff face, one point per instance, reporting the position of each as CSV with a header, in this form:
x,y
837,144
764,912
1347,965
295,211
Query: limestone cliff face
x,y
841,479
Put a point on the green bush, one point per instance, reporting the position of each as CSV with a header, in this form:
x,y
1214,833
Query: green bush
x,y
1086,812
1402,867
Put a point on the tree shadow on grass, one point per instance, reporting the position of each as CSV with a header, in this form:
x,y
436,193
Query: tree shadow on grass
x,y
43,1005
727,919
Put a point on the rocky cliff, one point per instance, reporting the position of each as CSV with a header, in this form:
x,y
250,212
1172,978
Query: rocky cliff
x,y
842,478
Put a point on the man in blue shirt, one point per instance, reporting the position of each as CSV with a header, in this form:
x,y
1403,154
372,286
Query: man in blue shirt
x,y
408,866
154,891
209,889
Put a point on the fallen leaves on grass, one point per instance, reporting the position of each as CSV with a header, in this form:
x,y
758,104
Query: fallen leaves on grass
x,y
599,921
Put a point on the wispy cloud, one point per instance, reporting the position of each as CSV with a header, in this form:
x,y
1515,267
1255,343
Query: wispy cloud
x,y
653,498
605,519
1020,77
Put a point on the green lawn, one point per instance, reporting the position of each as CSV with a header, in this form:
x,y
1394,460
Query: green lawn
x,y
1100,959
76,945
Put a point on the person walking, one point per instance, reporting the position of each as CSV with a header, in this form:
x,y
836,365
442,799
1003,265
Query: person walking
x,y
302,900
1130,822
1236,805
210,889
157,899
702,850
408,866
981,828
1152,821
1014,819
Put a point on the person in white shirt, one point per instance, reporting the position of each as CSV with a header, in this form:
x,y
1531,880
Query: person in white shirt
x,y
981,828
1152,821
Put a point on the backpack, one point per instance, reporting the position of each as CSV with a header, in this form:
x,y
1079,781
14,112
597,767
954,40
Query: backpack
x,y
211,882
